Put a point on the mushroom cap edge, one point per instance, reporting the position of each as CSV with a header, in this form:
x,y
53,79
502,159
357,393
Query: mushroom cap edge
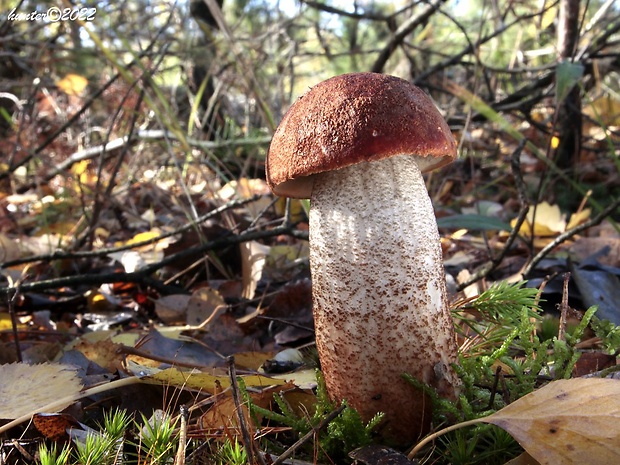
x,y
353,118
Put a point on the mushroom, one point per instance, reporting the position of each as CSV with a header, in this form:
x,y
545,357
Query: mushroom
x,y
357,145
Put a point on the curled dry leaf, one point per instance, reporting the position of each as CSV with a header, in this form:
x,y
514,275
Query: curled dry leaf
x,y
575,421
252,263
54,426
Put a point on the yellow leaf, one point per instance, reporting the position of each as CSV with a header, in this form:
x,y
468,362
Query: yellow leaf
x,y
252,360
574,421
548,18
104,353
580,217
205,382
549,221
145,236
72,84
5,321
152,235
297,210
80,167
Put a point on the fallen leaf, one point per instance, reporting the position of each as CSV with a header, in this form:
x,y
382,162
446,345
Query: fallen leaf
x,y
72,84
54,426
523,459
202,306
197,380
547,219
172,309
303,379
6,323
574,421
606,249
252,360
104,353
27,388
224,412
591,362
252,262
578,218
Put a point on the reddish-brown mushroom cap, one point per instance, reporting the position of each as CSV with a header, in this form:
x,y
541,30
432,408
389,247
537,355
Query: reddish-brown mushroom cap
x,y
353,118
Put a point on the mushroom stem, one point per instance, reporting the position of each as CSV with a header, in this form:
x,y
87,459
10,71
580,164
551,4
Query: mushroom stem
x,y
379,293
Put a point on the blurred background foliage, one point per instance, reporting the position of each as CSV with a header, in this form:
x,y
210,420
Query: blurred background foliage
x,y
210,79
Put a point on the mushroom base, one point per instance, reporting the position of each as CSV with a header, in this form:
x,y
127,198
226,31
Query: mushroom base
x,y
379,293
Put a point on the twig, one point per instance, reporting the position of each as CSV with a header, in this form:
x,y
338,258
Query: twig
x,y
11,297
147,134
89,234
491,265
611,208
498,374
337,11
78,114
248,439
143,275
563,308
402,32
62,255
432,437
434,70
180,458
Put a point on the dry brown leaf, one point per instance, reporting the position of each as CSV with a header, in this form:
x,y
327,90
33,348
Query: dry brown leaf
x,y
224,412
54,426
105,353
585,247
172,309
26,388
574,421
203,305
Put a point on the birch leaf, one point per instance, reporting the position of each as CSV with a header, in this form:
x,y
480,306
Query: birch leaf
x,y
27,388
574,421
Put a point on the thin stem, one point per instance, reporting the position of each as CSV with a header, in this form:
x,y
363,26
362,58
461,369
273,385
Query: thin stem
x,y
432,437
